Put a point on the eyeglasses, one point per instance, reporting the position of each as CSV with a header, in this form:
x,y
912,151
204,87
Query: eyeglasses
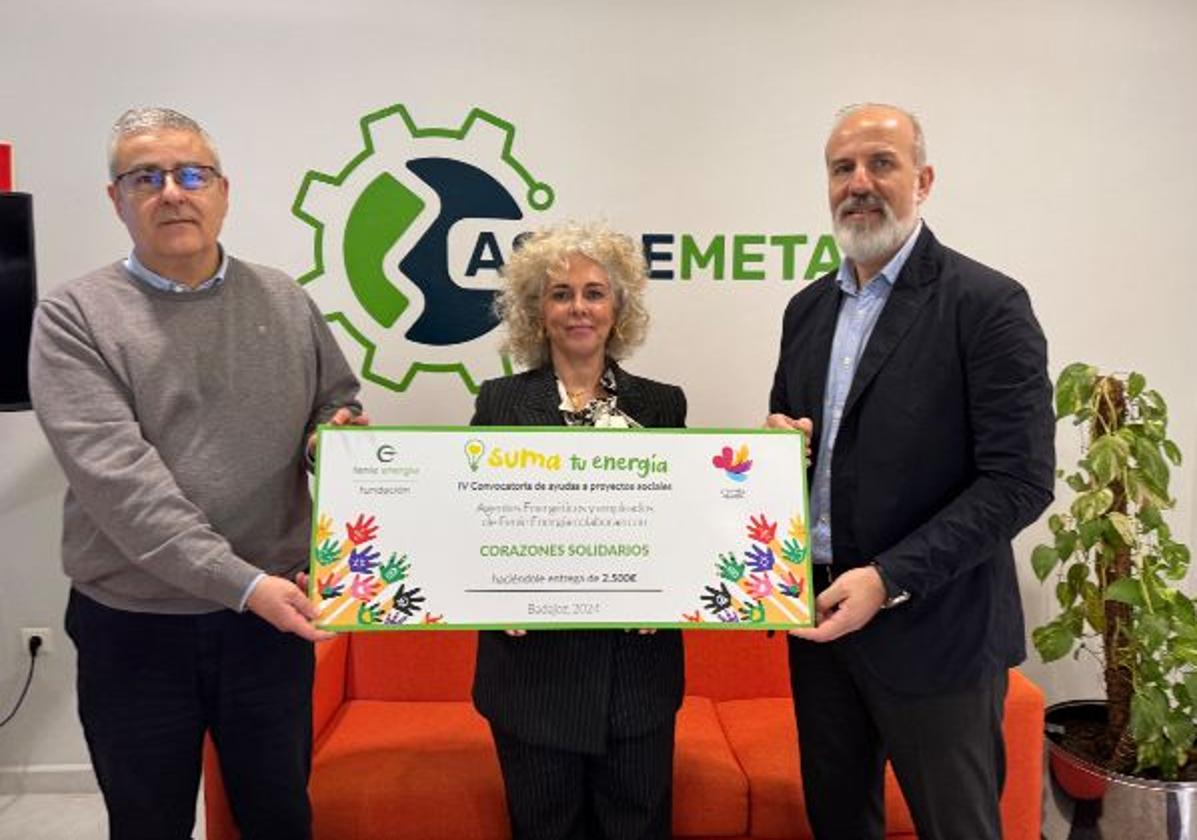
x,y
146,180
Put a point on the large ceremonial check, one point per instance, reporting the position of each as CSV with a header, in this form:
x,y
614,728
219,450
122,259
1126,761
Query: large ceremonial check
x,y
452,528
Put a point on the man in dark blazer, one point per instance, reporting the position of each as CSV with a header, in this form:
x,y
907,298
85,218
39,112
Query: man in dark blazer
x,y
555,696
920,376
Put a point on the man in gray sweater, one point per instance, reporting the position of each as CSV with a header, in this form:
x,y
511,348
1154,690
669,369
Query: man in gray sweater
x,y
179,389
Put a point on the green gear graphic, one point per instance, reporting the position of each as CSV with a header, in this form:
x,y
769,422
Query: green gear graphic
x,y
376,186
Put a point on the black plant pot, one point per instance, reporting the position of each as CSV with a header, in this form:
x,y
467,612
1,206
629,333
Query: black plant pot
x,y
1086,802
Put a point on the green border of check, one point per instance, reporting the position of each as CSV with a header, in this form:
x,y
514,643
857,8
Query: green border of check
x,y
473,430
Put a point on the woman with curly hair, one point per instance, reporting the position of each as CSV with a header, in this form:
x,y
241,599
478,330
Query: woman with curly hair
x,y
583,720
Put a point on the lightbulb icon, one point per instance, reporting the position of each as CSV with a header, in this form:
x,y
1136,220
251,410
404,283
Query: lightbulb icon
x,y
473,450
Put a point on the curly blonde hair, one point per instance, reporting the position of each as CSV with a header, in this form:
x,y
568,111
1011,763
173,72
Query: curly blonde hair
x,y
545,254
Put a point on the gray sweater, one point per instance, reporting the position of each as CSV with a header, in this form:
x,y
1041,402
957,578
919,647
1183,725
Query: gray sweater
x,y
180,421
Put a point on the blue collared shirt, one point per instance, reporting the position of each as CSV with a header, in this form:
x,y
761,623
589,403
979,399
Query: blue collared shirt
x,y
859,311
163,284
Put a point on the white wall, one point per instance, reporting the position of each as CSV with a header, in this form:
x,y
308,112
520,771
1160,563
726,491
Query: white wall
x,y
1061,133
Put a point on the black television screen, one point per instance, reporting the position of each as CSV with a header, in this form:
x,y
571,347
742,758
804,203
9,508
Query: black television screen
x,y
18,296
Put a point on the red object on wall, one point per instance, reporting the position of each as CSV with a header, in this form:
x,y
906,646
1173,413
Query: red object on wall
x,y
5,166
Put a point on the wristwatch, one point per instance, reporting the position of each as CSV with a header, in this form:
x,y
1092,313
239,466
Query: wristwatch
x,y
894,594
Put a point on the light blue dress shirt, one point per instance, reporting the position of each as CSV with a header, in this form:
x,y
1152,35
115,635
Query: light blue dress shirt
x,y
859,311
163,284
135,267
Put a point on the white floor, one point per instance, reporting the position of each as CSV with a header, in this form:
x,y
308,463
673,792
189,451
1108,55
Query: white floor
x,y
60,816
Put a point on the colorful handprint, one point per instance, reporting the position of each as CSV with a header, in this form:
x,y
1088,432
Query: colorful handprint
x,y
717,600
407,602
760,559
790,586
324,528
328,552
792,551
362,531
761,529
797,529
330,586
369,614
729,567
394,570
753,612
364,587
759,586
363,560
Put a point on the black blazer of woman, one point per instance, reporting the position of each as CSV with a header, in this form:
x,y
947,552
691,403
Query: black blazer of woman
x,y
574,689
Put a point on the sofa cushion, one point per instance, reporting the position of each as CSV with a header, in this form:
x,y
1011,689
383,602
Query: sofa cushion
x,y
411,665
764,738
707,780
388,769
736,664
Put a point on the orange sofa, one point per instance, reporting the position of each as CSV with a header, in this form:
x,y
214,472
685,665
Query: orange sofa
x,y
400,752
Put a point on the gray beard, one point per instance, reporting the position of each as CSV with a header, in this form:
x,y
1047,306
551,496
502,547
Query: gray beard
x,y
873,244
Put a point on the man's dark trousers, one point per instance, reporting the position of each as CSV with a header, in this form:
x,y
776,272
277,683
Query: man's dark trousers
x,y
149,686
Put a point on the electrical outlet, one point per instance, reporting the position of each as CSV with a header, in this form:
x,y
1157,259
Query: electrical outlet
x,y
28,633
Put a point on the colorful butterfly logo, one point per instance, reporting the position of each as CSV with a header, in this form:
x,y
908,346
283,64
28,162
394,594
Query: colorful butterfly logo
x,y
735,466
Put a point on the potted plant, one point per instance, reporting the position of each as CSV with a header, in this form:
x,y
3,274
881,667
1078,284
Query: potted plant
x,y
1116,568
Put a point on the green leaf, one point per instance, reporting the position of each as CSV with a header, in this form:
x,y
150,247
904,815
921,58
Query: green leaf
x,y
1155,429
1093,504
1141,489
1176,555
1156,400
1149,710
1152,631
1186,612
1077,482
1172,451
1043,559
1134,385
1072,585
1116,444
1179,731
1191,686
1152,465
1122,526
1077,575
1065,594
1125,591
1055,524
1074,387
1091,532
1149,517
1103,460
1095,607
1066,543
1053,641
1074,620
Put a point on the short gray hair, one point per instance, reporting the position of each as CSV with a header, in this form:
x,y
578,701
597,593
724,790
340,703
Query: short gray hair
x,y
920,142
144,120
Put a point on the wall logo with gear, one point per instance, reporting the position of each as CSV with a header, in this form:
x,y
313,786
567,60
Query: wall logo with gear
x,y
407,237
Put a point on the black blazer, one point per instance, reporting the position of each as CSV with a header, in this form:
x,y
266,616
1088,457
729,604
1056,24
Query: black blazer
x,y
571,689
945,451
